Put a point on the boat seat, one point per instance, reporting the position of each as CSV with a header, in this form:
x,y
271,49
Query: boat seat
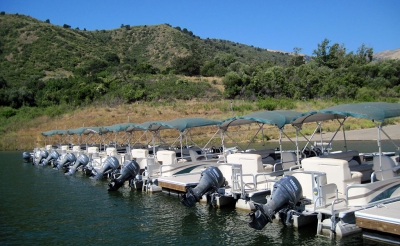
x,y
289,159
64,149
111,151
389,168
251,165
93,151
194,156
267,155
355,164
352,157
141,157
166,157
337,171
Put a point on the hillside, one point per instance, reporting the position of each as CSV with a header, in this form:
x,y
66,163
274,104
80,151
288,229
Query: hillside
x,y
48,51
388,54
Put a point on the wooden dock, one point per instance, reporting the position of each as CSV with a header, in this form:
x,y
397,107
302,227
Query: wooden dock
x,y
383,219
179,183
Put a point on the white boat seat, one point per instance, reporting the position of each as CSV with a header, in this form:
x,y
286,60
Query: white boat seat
x,y
251,163
267,155
111,151
166,157
64,149
389,168
337,171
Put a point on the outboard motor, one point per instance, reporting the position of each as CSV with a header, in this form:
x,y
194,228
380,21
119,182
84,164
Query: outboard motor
x,y
68,159
42,154
82,160
129,171
52,157
27,156
285,195
110,164
211,179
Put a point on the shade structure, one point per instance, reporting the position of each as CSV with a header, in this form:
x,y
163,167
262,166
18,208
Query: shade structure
x,y
180,124
278,118
375,111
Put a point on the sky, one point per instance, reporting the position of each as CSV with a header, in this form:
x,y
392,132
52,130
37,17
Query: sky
x,y
269,24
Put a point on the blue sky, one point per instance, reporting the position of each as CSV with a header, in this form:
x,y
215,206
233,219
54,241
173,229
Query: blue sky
x,y
277,25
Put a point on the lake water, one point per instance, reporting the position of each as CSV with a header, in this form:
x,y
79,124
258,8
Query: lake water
x,y
42,206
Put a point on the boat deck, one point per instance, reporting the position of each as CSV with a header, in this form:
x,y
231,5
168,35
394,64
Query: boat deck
x,y
384,218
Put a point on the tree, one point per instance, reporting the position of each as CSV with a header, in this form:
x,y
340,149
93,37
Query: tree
x,y
297,59
66,26
47,21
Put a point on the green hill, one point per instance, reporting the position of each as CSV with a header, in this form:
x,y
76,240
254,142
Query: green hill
x,y
30,47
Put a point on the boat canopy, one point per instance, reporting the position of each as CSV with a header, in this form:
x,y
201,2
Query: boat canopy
x,y
277,118
83,130
54,132
375,111
117,127
182,124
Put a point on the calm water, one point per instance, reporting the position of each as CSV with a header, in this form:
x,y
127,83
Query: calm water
x,y
42,206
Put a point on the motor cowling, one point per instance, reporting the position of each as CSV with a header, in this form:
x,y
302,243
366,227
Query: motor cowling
x,y
82,160
68,159
211,179
52,156
110,164
39,156
129,171
285,194
27,156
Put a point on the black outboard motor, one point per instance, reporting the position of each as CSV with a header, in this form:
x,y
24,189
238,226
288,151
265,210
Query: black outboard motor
x,y
286,194
27,156
40,156
211,179
52,157
82,160
129,171
68,159
110,164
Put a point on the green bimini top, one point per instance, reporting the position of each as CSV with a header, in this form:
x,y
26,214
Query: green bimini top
x,y
54,132
375,111
180,124
120,127
278,118
83,130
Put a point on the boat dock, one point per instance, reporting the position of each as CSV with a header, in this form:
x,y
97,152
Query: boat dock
x,y
380,222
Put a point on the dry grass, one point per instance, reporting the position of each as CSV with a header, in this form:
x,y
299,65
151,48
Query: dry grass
x,y
30,137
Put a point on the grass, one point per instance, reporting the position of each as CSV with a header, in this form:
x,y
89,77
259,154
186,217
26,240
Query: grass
x,y
28,135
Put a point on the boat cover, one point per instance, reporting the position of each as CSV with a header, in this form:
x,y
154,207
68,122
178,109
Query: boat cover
x,y
54,132
375,111
277,118
180,124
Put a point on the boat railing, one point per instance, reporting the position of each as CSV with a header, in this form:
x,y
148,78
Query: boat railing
x,y
323,193
391,172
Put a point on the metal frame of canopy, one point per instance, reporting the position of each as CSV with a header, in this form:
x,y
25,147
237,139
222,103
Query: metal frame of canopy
x,y
278,118
317,117
87,131
377,112
183,125
51,133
